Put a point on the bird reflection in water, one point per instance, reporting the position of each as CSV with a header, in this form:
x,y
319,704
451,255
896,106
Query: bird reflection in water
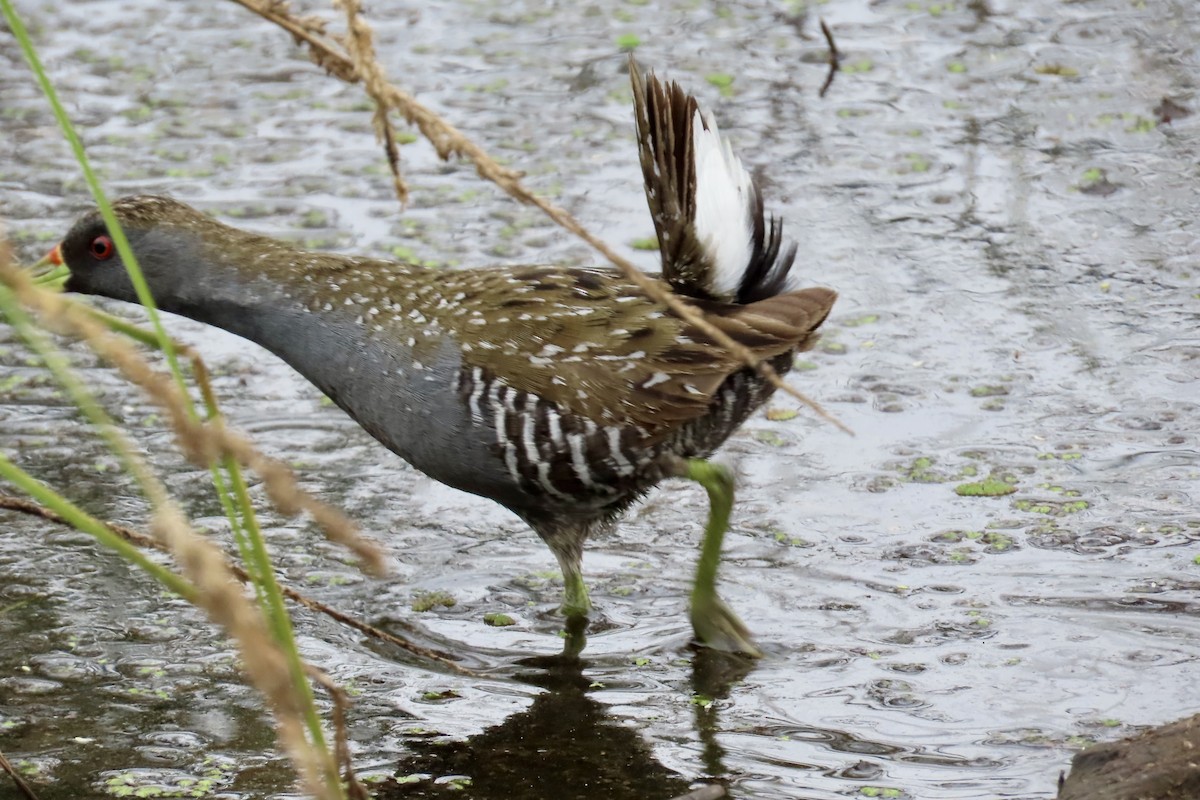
x,y
567,745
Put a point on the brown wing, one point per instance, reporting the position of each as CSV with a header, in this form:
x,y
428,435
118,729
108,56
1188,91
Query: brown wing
x,y
590,341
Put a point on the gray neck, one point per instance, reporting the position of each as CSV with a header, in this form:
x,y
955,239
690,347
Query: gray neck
x,y
408,401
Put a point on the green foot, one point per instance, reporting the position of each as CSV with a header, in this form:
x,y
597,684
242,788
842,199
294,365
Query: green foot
x,y
716,626
574,638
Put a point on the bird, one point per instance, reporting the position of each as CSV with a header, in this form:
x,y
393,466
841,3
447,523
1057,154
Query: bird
x,y
562,393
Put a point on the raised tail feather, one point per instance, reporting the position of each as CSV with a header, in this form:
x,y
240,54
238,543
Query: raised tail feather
x,y
715,240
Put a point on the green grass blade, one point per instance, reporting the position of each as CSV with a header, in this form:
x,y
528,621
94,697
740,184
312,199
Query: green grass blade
x,y
83,521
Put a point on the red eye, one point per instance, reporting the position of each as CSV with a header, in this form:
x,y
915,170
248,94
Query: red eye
x,y
102,248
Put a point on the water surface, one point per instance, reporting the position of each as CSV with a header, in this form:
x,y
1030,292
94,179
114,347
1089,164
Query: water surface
x,y
1013,232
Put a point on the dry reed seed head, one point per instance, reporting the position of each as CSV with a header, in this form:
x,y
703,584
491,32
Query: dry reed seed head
x,y
264,663
222,596
289,499
280,484
339,529
141,540
6,258
198,446
312,23
50,305
362,51
202,443
341,703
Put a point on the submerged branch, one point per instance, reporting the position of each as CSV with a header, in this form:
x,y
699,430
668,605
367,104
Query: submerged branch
x,y
24,506
24,788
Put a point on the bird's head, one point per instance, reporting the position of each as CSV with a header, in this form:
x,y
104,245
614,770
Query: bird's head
x,y
164,234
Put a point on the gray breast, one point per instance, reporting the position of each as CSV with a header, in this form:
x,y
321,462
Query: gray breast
x,y
411,404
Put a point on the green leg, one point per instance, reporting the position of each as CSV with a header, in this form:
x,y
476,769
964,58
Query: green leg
x,y
576,602
716,626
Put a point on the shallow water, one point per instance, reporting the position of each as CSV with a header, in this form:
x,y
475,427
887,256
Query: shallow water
x,y
1013,234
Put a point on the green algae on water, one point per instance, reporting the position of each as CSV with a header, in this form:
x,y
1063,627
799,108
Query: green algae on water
x,y
989,487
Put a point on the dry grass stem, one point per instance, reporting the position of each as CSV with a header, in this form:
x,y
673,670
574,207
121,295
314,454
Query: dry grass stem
x,y
25,506
449,141
202,442
360,43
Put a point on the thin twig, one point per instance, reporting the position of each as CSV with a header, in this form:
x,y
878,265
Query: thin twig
x,y
23,787
835,59
341,701
25,506
448,140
